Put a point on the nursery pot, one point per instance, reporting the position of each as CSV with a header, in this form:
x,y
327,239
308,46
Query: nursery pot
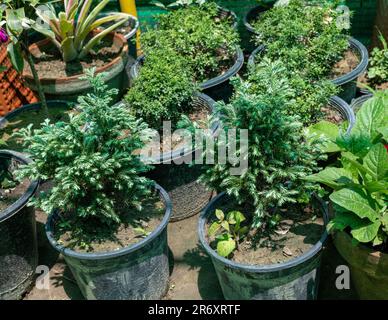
x,y
69,88
368,268
217,88
179,178
18,241
137,272
252,15
357,103
128,30
23,116
345,110
295,279
346,82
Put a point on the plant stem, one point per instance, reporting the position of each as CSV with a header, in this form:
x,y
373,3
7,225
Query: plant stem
x,y
39,88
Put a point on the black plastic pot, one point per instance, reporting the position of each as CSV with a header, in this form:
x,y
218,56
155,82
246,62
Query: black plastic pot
x,y
138,272
252,15
347,82
345,110
296,279
18,241
217,88
357,103
179,178
10,121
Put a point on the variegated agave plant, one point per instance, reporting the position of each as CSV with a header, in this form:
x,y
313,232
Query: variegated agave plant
x,y
70,30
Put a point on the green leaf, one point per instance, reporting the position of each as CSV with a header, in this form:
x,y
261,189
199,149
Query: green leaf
x,y
214,227
384,132
330,177
15,54
225,225
225,248
371,116
327,129
377,161
220,214
355,202
366,233
235,217
343,220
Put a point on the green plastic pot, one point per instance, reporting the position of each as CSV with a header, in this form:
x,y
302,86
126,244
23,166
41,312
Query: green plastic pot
x,y
368,267
296,279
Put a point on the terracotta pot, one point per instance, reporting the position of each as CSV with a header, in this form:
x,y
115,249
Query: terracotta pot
x,y
69,88
368,268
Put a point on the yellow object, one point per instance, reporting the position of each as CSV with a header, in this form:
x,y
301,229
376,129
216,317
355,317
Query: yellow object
x,y
129,6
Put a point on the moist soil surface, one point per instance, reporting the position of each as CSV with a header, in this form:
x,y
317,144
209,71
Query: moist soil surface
x,y
297,232
347,64
34,117
49,63
135,226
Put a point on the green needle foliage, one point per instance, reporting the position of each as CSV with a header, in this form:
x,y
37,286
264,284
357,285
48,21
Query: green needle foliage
x,y
360,183
279,157
164,88
91,161
198,34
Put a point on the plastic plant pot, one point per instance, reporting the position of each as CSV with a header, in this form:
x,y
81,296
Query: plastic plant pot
x,y
295,279
252,15
346,82
18,240
137,272
345,110
70,87
172,170
368,267
357,103
26,113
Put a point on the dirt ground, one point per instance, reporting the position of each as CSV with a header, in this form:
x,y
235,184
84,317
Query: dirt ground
x,y
192,273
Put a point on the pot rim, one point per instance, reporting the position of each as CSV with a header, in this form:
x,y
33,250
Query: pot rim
x,y
133,31
21,202
168,157
258,268
250,12
32,106
358,102
232,71
122,54
116,253
348,77
343,107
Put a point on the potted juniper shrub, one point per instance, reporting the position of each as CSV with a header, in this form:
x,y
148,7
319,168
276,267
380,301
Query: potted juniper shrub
x,y
106,219
265,230
359,188
312,42
164,92
376,76
206,39
18,241
311,101
74,43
